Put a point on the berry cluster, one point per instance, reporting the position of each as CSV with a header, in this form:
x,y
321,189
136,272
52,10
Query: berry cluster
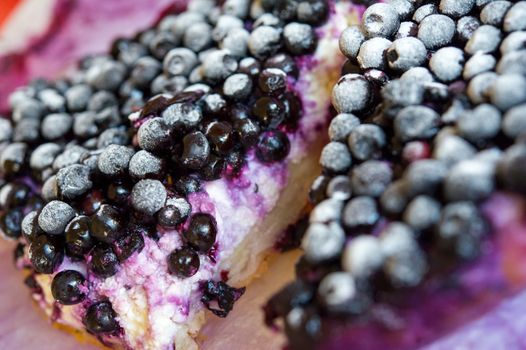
x,y
203,88
432,119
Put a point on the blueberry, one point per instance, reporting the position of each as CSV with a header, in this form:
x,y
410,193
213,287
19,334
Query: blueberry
x,y
118,193
456,8
68,287
326,211
514,19
52,99
198,36
407,30
201,232
129,244
418,74
299,38
380,20
283,62
78,237
55,216
272,146
480,86
162,84
264,41
29,226
6,130
436,31
100,318
225,23
366,141
272,81
148,196
447,63
73,181
513,42
335,157
360,211
422,212
183,262
403,92
102,100
27,130
106,224
372,53
196,150
214,104
128,51
466,26
514,123
85,124
103,261
312,12
186,115
114,160
46,253
337,290
342,125
247,131
485,39
185,185
237,86
416,122
371,178
179,61
161,43
28,109
249,66
406,53
318,189
220,136
352,93
213,168
471,128
112,136
350,41
507,91
144,164
10,222
44,155
154,135
14,195
494,12
395,197
323,242
269,111
452,149
424,176
175,213
55,126
512,63
362,256
403,8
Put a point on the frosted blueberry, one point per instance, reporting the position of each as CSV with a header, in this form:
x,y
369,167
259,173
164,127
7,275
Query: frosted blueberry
x,y
362,256
507,91
44,156
469,180
366,141
154,134
485,39
179,61
237,86
395,197
514,123
513,42
407,29
264,41
424,176
466,26
148,196
112,136
512,63
371,178
339,188
225,23
299,38
335,157
452,149
418,74
403,92
403,8
422,212
144,164
181,114
85,124
236,41
6,130
198,36
360,211
416,122
56,125
380,20
480,124
478,63
52,99
515,19
341,126
480,86
424,11
372,53
28,109
326,211
447,63
114,160
352,93
350,41
436,31
406,53
337,289
219,65
55,216
456,8
77,97
73,181
106,75
323,242
13,157
494,12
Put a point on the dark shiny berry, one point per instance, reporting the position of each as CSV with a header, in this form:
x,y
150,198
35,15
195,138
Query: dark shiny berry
x,y
154,106
13,195
249,66
118,193
284,62
183,262
128,244
68,287
196,150
247,131
172,215
18,252
104,262
235,162
92,202
100,318
272,146
220,136
272,81
78,237
213,168
10,222
202,231
46,253
185,185
269,111
286,9
106,224
293,109
238,112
